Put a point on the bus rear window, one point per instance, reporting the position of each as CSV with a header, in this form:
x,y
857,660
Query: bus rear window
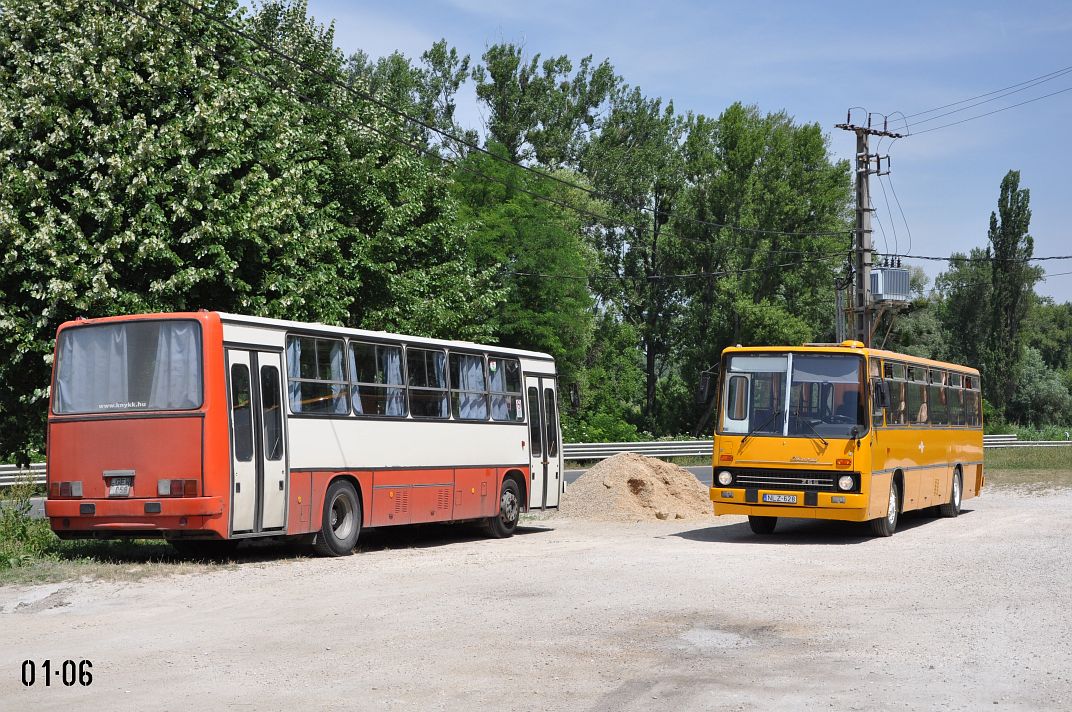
x,y
128,366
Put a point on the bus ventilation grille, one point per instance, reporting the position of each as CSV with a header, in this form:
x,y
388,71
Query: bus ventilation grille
x,y
797,480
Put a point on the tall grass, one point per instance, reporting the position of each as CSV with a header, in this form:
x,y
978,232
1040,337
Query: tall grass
x,y
22,538
1028,458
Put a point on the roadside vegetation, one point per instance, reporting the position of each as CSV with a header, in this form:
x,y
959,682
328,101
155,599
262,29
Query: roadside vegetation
x,y
31,553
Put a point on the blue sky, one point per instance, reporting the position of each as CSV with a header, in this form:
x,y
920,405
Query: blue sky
x,y
815,60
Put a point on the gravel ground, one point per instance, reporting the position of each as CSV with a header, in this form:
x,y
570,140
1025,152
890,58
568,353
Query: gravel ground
x,y
963,614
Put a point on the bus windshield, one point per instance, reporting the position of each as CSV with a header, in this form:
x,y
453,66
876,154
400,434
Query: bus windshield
x,y
804,395
128,366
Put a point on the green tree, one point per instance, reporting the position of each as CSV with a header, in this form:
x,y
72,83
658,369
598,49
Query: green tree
x,y
763,174
1040,396
637,161
538,254
987,296
541,110
1012,280
145,170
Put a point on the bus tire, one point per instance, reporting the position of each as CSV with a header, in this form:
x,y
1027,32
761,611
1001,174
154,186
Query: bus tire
x,y
762,525
341,522
956,494
887,525
504,523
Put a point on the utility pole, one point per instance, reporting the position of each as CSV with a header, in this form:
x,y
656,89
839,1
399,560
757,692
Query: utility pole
x,y
862,303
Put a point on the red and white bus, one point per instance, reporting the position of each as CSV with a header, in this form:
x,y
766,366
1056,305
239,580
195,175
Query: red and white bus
x,y
208,427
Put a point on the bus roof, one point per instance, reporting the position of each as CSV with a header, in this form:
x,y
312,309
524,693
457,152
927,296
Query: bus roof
x,y
345,331
314,328
853,347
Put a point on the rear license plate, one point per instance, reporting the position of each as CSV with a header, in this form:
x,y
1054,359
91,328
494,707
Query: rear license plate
x,y
780,498
120,486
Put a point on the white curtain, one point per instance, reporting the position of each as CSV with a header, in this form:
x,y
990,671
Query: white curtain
x,y
294,371
472,406
92,372
176,377
129,366
392,367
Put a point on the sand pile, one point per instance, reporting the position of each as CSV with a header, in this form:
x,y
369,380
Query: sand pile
x,y
628,487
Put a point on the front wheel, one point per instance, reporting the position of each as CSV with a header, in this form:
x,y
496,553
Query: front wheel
x,y
952,509
505,522
762,525
886,526
341,523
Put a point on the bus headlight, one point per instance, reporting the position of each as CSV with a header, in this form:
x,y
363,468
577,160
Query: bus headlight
x,y
845,483
725,478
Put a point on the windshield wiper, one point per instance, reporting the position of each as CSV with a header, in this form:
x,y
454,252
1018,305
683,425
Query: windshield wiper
x,y
765,423
812,428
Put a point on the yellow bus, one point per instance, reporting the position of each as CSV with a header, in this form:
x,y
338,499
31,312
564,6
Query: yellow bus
x,y
840,431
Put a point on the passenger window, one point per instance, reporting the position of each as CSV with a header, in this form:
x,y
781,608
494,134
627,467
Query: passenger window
x,y
378,387
427,373
468,387
316,376
504,380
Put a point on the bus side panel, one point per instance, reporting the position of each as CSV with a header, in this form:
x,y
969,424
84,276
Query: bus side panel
x,y
301,503
475,492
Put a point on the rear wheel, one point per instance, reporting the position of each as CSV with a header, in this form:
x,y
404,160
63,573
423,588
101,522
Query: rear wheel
x,y
886,526
762,525
341,524
952,509
504,524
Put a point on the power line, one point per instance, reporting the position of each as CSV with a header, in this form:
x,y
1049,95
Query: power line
x,y
901,210
980,103
468,144
990,113
1040,79
981,259
670,277
467,168
889,209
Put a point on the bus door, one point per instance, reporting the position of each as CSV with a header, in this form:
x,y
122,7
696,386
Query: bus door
x,y
258,443
545,480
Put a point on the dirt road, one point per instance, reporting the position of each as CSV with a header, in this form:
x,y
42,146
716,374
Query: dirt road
x,y
969,613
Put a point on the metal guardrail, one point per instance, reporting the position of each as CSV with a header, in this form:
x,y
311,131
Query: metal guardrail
x,y
10,474
702,448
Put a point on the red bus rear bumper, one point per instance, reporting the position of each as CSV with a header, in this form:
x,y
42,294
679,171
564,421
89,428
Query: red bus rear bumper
x,y
119,515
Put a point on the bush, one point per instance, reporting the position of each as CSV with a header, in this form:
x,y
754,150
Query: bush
x,y
22,538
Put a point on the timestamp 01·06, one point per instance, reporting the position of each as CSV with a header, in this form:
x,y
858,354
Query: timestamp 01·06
x,y
68,672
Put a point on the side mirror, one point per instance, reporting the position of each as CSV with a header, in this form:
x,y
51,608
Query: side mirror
x,y
574,396
703,389
882,394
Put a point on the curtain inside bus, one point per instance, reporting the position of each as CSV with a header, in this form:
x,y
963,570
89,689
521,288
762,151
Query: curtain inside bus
x,y
137,365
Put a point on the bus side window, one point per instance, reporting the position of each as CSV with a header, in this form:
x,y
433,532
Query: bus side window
x,y
737,398
916,399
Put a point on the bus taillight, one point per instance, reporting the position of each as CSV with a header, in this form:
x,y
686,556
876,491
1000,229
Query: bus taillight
x,y
176,488
65,490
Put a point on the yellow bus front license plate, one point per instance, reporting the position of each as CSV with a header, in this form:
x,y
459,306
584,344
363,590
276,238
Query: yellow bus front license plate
x,y
780,498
